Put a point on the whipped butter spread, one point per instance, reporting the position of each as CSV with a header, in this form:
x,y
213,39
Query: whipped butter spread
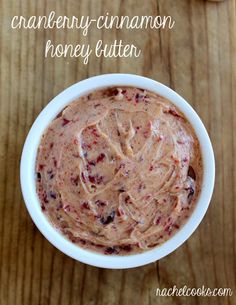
x,y
119,170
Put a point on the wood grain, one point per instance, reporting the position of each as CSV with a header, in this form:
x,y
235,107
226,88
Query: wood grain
x,y
197,59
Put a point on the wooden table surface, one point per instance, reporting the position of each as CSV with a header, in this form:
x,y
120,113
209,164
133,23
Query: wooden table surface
x,y
197,59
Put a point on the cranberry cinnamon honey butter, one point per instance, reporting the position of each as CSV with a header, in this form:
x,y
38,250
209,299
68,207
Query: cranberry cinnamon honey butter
x,y
119,171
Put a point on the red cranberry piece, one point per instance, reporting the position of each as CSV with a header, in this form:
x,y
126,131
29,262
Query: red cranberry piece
x,y
65,122
101,157
115,92
67,208
92,163
85,205
168,229
158,220
55,162
127,199
110,250
45,198
100,203
108,219
83,177
95,179
83,241
91,179
41,166
126,248
174,113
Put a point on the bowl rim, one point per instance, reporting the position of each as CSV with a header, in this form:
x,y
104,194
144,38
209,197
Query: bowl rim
x,y
27,172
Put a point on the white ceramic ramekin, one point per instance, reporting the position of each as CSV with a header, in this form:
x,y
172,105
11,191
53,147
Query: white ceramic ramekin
x,y
27,172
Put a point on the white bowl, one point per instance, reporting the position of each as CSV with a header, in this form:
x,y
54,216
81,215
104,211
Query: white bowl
x,y
27,172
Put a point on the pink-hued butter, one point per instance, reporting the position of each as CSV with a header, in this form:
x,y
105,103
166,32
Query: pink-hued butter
x,y
119,171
